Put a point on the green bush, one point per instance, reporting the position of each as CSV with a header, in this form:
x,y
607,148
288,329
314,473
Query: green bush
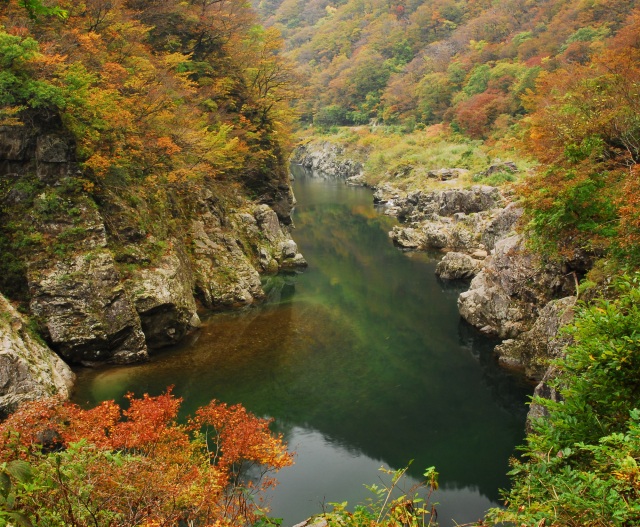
x,y
580,465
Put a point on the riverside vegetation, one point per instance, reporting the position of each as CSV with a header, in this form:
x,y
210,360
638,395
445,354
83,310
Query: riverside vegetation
x,y
142,136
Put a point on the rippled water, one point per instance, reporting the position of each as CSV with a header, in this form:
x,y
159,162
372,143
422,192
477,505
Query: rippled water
x,y
362,360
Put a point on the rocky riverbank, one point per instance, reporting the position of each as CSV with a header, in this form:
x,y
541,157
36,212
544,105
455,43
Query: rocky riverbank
x,y
111,275
328,160
515,294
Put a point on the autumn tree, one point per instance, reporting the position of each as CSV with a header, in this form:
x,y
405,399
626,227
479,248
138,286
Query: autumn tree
x,y
135,466
585,129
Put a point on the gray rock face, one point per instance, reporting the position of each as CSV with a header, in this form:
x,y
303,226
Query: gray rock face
x,y
410,238
505,297
457,265
163,298
79,298
86,313
501,225
476,199
532,350
544,390
270,241
105,286
28,369
460,220
326,160
224,277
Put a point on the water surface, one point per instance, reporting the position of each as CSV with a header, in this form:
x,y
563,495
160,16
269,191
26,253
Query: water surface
x,y
363,362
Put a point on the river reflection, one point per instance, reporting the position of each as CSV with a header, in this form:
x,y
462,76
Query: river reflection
x,y
362,360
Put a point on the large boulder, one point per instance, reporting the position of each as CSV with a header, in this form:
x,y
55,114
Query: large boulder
x,y
501,225
272,241
76,290
28,369
163,298
455,266
85,311
224,277
475,199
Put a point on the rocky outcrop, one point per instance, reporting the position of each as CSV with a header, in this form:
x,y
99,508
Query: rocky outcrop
x,y
271,243
459,220
455,266
77,292
326,159
28,369
113,276
507,295
531,351
163,298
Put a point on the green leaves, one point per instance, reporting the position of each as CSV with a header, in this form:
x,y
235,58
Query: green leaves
x,y
13,476
581,463
36,9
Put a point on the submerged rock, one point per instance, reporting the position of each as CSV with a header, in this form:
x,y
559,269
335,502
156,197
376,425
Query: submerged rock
x,y
28,369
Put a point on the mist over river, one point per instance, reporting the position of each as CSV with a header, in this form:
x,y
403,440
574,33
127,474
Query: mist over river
x,y
362,360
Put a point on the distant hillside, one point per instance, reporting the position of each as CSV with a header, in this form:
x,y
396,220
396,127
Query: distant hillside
x,y
416,61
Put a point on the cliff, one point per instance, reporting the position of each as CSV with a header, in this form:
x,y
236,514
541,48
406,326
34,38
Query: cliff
x,y
28,369
108,276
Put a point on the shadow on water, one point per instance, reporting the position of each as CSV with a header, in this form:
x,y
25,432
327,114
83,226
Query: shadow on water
x,y
362,360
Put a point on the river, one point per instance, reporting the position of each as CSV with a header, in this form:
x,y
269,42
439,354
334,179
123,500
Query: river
x,y
362,360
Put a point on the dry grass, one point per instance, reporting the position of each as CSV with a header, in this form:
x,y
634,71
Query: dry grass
x,y
403,159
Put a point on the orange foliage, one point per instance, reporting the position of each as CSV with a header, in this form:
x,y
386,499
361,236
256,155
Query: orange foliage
x,y
585,126
167,472
143,85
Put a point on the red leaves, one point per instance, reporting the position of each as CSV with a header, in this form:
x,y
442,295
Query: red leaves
x,y
155,470
240,436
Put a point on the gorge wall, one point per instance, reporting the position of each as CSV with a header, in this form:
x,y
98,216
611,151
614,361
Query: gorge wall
x,y
109,275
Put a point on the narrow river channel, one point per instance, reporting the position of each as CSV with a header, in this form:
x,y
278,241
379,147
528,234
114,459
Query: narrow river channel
x,y
363,362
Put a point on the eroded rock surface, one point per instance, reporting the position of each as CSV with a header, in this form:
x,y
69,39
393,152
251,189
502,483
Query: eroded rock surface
x,y
110,277
455,266
28,369
505,298
459,220
77,293
163,298
327,159
532,350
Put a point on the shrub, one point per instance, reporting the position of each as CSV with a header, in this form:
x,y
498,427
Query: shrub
x,y
133,467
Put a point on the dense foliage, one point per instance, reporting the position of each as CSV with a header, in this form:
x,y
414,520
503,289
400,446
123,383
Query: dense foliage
x,y
585,130
581,463
414,61
558,78
161,103
154,92
64,466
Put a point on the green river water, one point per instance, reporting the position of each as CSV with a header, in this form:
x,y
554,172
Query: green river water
x,y
362,360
